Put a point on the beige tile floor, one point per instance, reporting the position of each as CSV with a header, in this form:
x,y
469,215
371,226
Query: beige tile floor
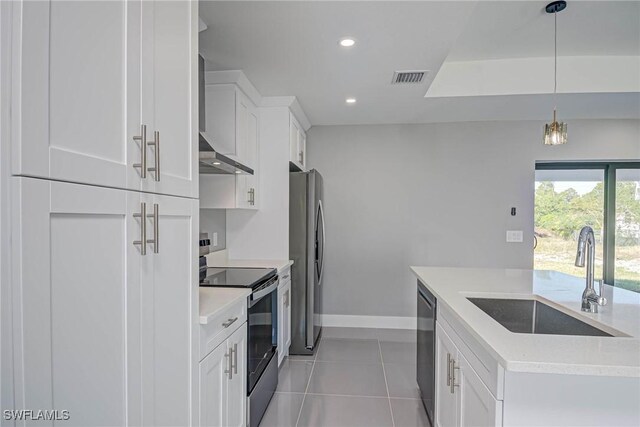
x,y
357,377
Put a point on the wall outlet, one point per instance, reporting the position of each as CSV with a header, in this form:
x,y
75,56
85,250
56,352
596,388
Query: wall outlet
x,y
215,239
514,236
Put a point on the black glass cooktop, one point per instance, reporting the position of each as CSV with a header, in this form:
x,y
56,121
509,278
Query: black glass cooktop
x,y
237,277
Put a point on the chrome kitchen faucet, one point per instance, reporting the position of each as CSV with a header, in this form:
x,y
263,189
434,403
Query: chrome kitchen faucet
x,y
587,249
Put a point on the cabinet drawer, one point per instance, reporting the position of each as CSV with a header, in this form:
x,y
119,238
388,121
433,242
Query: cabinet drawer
x,y
215,332
488,369
285,275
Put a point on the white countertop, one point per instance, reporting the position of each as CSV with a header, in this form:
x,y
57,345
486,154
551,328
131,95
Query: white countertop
x,y
584,355
212,300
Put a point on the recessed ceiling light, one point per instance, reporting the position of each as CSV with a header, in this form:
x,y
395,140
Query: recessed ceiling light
x,y
216,163
347,42
350,100
238,171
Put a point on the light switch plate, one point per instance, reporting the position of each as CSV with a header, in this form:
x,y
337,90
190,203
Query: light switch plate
x,y
514,236
215,239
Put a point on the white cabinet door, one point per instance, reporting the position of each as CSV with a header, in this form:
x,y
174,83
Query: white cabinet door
x,y
247,123
287,316
446,402
214,372
247,152
243,106
169,95
478,407
232,123
294,137
281,329
297,143
302,148
284,316
237,389
76,282
221,115
168,297
76,91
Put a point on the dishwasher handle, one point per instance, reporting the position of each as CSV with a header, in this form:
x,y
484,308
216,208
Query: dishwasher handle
x,y
426,299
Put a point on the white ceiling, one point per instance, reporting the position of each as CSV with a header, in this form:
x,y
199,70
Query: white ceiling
x,y
290,48
517,29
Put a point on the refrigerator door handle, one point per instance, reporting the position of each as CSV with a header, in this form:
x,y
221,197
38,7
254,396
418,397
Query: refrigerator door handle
x,y
321,260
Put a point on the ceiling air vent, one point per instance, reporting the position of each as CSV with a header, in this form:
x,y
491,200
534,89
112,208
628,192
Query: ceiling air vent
x,y
414,77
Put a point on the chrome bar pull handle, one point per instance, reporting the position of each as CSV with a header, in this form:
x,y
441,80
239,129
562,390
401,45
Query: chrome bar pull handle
x,y
156,163
235,358
227,356
154,216
453,376
143,228
142,139
229,322
448,370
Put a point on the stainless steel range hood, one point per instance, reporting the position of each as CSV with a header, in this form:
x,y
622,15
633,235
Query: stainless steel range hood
x,y
212,162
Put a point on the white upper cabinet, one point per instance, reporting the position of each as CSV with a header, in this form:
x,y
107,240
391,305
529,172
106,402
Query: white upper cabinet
x,y
87,76
232,123
76,91
297,143
170,96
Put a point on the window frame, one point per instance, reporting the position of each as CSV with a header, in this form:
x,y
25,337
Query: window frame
x,y
609,168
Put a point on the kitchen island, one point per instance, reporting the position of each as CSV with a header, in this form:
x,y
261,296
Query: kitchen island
x,y
487,374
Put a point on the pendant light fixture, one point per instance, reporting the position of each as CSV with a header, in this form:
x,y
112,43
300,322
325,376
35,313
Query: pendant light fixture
x,y
555,133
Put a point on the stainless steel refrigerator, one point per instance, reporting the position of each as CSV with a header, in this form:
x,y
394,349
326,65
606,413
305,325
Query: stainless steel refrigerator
x,y
306,249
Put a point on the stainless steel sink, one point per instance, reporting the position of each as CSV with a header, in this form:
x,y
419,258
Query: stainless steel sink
x,y
530,316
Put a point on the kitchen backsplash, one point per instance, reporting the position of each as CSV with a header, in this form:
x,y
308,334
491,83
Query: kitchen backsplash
x,y
214,221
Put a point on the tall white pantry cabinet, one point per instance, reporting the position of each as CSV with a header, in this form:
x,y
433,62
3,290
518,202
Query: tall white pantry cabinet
x,y
99,192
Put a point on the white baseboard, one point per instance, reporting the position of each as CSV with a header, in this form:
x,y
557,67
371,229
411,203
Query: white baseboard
x,y
384,322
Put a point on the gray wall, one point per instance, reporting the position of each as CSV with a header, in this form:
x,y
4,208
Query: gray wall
x,y
214,221
435,195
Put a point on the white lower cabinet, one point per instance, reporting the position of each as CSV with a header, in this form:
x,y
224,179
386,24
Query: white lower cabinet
x,y
462,399
446,411
223,383
99,328
478,407
284,315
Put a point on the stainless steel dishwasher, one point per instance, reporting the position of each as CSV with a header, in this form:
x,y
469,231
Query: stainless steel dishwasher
x,y
426,339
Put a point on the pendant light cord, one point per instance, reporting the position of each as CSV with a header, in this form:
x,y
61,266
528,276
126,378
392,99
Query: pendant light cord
x,y
555,52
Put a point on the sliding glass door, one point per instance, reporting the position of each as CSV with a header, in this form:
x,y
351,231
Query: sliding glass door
x,y
605,196
626,247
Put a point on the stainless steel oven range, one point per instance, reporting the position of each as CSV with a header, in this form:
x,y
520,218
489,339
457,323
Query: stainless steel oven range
x,y
262,331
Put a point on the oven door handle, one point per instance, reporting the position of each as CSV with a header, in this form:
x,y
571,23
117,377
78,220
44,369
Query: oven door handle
x,y
257,296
